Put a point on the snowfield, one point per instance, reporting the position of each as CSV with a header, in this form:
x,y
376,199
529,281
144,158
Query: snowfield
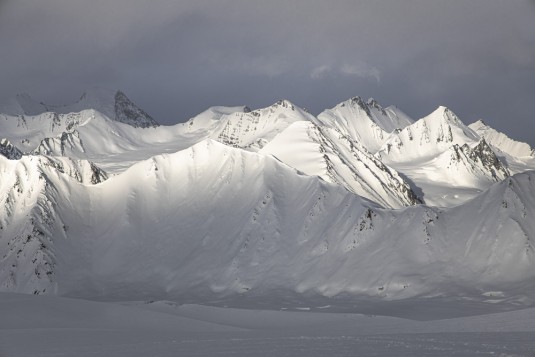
x,y
269,232
53,326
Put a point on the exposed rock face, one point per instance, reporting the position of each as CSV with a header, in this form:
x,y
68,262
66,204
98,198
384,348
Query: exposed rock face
x,y
129,113
9,150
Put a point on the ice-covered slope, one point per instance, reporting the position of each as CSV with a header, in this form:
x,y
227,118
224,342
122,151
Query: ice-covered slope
x,y
502,141
114,104
365,122
325,153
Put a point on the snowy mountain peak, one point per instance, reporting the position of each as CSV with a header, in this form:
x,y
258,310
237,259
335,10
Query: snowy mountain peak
x,y
480,162
365,122
443,113
8,150
372,103
129,113
114,104
318,151
252,130
356,103
501,141
283,103
427,137
478,124
488,158
353,118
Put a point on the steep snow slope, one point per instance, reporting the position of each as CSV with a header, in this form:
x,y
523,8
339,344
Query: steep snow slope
x,y
170,215
31,190
427,138
399,118
364,122
456,175
114,104
498,240
324,152
264,204
446,162
502,141
251,130
208,120
214,223
91,135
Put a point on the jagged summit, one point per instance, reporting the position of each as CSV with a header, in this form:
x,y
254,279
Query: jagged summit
x,y
321,152
253,129
112,103
365,122
8,150
478,124
443,113
427,137
283,103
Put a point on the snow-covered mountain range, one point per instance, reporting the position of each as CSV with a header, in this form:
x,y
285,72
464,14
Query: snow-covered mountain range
x,y
99,201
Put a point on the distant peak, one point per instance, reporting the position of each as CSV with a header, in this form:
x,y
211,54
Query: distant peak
x,y
283,103
444,113
373,103
358,101
478,124
441,109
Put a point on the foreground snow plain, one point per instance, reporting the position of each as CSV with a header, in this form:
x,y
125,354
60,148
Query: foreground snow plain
x,y
54,326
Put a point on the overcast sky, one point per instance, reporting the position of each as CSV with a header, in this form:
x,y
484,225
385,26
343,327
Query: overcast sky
x,y
177,58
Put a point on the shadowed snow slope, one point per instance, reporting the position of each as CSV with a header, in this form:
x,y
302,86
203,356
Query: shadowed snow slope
x,y
335,158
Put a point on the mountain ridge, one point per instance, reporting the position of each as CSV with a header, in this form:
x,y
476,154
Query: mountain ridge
x,y
237,204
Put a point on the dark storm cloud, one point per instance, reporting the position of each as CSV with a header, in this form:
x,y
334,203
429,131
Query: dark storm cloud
x,y
176,58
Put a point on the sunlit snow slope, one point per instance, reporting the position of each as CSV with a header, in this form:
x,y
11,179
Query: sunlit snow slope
x,y
236,204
